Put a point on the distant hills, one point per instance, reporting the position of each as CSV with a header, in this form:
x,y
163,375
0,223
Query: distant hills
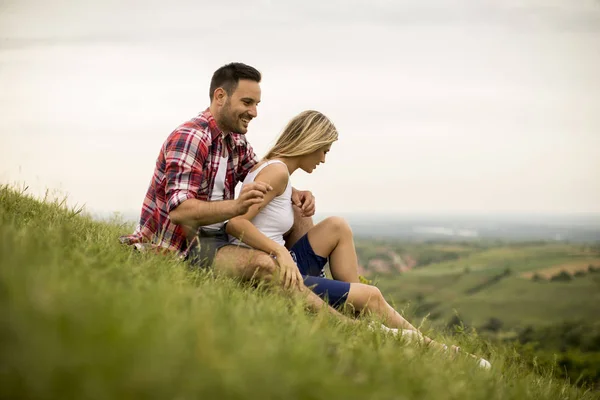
x,y
569,228
513,227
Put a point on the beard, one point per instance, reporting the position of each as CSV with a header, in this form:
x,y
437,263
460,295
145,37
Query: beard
x,y
232,122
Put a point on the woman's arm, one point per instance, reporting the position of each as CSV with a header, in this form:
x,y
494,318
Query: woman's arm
x,y
242,227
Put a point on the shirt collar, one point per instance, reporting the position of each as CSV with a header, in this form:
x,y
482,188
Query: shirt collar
x,y
215,131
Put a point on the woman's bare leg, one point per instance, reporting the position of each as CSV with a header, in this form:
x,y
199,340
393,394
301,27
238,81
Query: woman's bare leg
x,y
333,238
369,298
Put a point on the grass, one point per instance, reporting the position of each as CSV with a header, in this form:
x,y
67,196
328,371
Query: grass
x,y
491,282
519,258
516,301
83,317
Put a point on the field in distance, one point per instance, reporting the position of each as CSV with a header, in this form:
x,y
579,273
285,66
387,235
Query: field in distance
x,y
520,284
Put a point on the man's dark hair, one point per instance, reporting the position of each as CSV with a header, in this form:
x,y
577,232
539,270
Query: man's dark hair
x,y
228,77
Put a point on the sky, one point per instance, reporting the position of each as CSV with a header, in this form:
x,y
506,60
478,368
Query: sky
x,y
442,107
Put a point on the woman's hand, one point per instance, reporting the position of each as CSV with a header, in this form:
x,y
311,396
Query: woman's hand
x,y
289,273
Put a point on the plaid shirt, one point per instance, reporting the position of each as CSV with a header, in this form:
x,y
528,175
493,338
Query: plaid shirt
x,y
186,169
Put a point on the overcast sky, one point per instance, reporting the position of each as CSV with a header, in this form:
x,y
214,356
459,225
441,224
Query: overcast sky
x,y
472,106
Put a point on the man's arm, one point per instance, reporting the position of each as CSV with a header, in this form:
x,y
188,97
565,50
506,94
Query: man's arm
x,y
304,208
185,155
193,213
305,201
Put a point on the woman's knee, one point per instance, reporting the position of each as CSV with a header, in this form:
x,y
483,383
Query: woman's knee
x,y
375,294
365,296
339,225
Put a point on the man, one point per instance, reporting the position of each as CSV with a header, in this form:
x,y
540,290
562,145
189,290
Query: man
x,y
191,194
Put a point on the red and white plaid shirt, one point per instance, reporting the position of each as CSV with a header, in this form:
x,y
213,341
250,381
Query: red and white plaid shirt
x,y
186,169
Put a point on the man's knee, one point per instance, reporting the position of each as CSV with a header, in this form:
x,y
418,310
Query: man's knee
x,y
261,266
244,263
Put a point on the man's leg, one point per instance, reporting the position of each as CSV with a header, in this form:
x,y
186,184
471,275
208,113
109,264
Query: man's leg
x,y
300,228
244,263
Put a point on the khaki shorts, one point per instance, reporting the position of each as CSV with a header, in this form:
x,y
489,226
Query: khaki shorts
x,y
203,253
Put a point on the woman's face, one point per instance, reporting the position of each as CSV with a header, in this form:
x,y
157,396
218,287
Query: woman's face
x,y
310,161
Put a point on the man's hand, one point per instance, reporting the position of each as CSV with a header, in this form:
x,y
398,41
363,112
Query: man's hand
x,y
304,200
252,193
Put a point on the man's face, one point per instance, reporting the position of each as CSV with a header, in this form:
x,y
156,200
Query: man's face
x,y
240,108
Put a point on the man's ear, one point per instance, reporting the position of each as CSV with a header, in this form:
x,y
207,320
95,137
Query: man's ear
x,y
220,96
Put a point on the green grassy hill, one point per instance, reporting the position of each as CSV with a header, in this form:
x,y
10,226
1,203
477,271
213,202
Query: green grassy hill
x,y
542,295
495,282
82,317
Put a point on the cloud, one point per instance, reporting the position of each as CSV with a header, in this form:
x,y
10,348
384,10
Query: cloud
x,y
441,105
27,23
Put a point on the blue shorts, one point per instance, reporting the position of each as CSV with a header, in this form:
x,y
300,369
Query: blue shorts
x,y
311,268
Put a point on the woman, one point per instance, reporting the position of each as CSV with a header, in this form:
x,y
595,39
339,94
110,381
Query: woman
x,y
304,144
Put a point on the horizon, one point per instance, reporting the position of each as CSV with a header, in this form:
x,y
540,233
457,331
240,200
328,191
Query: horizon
x,y
403,227
409,215
585,221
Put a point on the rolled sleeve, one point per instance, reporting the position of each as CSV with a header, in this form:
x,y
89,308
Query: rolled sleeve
x,y
179,197
184,157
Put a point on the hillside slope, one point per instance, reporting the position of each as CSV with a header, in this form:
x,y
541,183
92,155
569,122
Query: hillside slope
x,y
83,317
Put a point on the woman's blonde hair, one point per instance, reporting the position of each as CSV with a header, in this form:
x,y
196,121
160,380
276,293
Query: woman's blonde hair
x,y
305,133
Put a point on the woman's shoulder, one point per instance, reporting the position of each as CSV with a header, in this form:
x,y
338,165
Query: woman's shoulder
x,y
275,166
274,173
266,163
257,166
275,169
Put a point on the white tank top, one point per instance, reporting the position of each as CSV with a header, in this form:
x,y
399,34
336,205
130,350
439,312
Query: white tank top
x,y
277,217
